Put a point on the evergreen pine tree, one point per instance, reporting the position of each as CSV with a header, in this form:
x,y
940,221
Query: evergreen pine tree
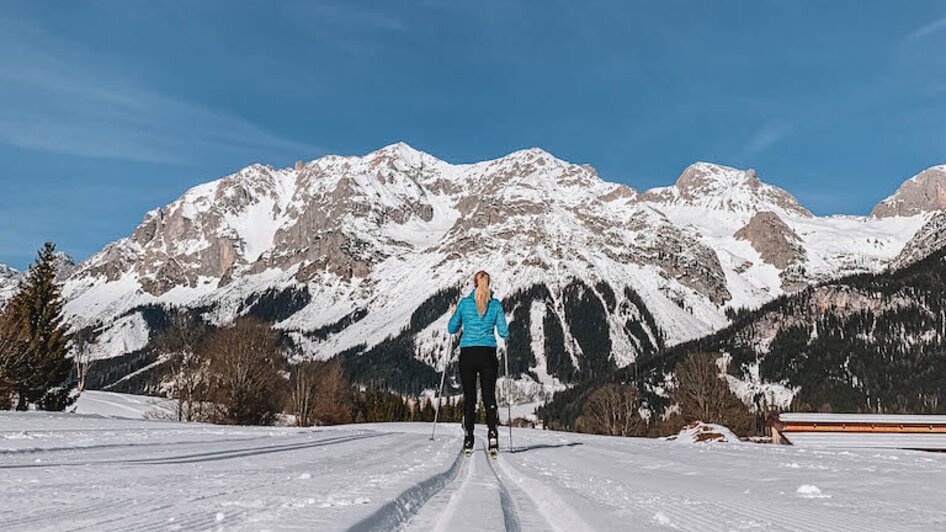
x,y
43,374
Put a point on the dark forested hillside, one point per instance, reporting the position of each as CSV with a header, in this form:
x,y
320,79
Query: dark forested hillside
x,y
574,333
866,343
873,343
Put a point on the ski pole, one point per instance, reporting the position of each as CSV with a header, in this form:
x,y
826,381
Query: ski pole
x,y
439,395
508,399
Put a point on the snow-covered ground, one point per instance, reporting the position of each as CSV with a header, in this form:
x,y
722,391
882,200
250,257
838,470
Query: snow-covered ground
x,y
111,404
72,471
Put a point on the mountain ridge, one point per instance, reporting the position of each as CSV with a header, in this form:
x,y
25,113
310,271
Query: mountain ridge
x,y
358,245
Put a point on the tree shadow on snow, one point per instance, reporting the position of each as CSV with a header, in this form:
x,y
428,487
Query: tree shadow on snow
x,y
545,446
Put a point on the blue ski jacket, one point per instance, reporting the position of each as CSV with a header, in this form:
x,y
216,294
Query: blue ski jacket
x,y
478,330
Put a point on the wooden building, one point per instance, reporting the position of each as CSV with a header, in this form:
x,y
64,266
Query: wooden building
x,y
922,432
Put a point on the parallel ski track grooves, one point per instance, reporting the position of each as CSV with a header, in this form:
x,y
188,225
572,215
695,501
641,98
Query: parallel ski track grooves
x,y
30,521
106,446
510,515
775,511
210,456
199,521
47,515
450,510
566,513
707,516
511,520
395,514
242,453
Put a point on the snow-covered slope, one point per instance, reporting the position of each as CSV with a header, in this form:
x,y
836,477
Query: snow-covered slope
x,y
930,238
719,204
346,253
123,405
69,471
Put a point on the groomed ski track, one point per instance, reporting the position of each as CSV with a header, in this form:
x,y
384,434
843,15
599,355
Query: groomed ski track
x,y
72,472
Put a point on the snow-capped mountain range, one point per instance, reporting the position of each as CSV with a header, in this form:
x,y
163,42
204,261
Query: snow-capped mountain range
x,y
361,243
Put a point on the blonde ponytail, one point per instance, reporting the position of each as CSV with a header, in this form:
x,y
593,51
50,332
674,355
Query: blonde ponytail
x,y
481,291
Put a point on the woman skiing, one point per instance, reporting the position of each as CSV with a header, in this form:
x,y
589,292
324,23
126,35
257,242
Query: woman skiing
x,y
479,314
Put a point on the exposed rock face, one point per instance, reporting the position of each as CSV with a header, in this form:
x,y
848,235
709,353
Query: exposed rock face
x,y
930,238
620,192
775,241
723,188
778,245
681,255
65,266
923,192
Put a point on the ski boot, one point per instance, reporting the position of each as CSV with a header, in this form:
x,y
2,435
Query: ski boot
x,y
468,445
493,443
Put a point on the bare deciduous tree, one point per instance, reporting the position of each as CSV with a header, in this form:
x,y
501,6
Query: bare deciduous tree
x,y
704,395
244,366
612,409
319,393
300,401
334,397
82,356
180,343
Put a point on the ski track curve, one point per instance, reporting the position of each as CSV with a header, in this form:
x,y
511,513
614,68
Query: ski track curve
x,y
397,512
435,514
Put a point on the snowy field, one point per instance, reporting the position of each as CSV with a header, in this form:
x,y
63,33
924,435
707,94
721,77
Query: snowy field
x,y
90,472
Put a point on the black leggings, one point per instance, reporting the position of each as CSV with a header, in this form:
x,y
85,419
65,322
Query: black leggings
x,y
479,360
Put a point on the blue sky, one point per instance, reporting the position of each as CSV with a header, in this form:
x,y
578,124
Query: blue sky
x,y
110,109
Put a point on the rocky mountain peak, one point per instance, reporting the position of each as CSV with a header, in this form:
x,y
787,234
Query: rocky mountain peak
x,y
708,176
722,188
533,153
538,170
923,192
65,266
399,156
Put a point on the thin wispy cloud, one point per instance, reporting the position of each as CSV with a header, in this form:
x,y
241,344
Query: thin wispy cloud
x,y
63,98
927,29
345,26
764,138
